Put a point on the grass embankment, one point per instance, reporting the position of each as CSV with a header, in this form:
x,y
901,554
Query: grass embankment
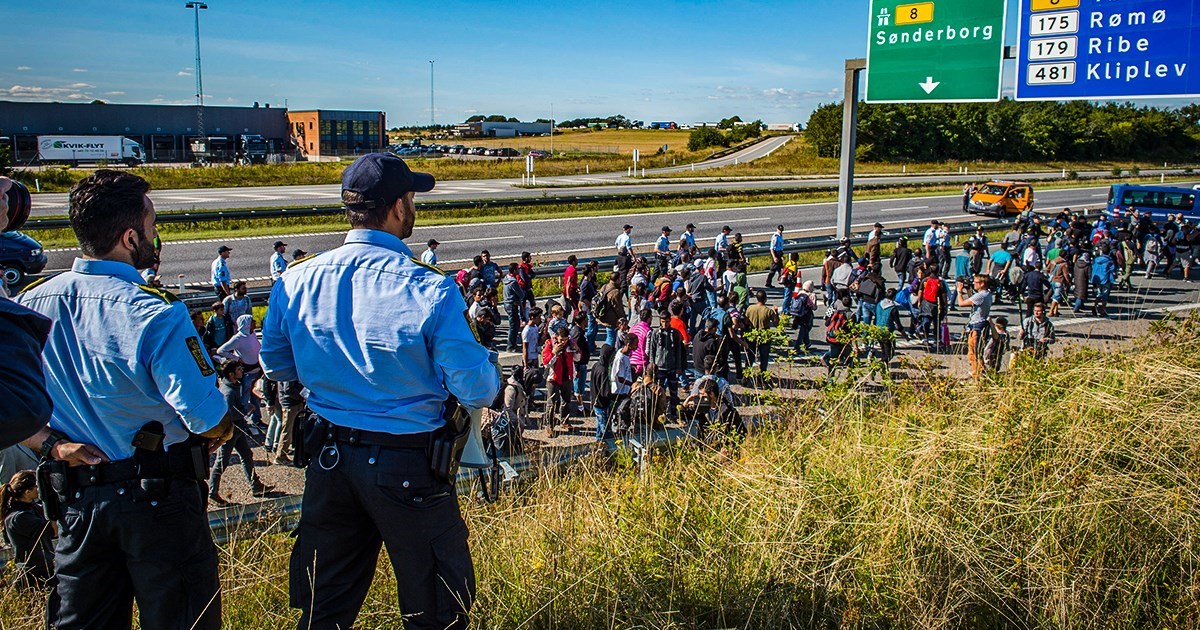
x,y
1058,495
313,173
800,158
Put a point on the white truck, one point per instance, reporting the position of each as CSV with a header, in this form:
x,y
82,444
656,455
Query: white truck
x,y
76,149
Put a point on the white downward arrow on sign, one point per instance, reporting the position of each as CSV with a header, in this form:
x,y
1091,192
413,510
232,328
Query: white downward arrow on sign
x,y
929,85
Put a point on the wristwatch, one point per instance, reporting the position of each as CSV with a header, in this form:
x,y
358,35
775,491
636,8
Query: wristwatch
x,y
48,445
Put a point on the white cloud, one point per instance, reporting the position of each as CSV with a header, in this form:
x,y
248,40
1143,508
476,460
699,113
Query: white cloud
x,y
78,69
183,73
116,93
42,93
23,68
470,111
80,86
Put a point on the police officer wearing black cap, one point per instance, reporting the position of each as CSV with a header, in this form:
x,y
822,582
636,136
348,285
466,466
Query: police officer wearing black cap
x,y
429,256
381,355
279,262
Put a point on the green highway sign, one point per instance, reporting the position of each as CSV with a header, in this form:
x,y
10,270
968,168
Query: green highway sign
x,y
935,51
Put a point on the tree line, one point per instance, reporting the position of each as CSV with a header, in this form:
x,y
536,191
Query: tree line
x,y
1012,131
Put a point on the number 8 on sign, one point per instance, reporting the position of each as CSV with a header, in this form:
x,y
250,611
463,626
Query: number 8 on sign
x,y
919,13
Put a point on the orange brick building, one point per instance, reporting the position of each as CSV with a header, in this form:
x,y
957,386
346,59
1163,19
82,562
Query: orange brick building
x,y
325,132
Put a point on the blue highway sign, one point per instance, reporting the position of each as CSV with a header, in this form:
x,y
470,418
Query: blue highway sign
x,y
1108,49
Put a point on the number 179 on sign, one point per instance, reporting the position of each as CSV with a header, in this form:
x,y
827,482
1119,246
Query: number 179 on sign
x,y
918,13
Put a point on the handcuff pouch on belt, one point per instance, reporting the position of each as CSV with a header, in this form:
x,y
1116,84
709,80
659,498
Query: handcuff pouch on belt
x,y
310,436
448,442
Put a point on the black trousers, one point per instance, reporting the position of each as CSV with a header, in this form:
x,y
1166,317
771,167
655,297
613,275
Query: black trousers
x,y
373,496
115,547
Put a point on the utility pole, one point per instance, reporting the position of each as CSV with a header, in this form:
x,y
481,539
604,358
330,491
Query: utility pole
x,y
431,123
551,129
854,68
196,7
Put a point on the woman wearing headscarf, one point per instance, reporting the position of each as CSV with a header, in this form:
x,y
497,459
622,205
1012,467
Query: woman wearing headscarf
x,y
26,529
244,346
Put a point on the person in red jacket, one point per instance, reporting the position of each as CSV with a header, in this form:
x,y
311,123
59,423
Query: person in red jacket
x,y
558,356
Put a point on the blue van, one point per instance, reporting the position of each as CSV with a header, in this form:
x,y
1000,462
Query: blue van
x,y
20,255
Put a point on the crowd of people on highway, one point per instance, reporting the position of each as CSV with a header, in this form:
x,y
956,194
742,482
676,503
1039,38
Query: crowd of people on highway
x,y
661,336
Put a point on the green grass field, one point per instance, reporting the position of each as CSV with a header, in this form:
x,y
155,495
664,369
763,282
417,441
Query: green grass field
x,y
1057,495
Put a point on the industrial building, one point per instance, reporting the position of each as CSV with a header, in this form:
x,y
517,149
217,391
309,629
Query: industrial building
x,y
166,131
500,129
325,132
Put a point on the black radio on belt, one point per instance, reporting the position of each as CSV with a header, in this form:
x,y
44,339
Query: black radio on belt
x,y
447,444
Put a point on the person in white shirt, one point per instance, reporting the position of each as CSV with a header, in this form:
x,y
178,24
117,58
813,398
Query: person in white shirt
x,y
279,262
625,239
429,256
721,245
621,375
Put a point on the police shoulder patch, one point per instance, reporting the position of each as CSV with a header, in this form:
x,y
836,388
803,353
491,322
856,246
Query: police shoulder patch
x,y
201,358
163,294
302,259
428,266
471,325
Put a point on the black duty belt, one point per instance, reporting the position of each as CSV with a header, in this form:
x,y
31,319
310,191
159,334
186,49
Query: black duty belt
x,y
104,474
362,437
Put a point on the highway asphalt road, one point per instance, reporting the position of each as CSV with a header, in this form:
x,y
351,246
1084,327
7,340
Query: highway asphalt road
x,y
55,204
554,239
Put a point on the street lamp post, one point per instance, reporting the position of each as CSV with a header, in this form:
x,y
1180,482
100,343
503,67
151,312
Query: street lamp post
x,y
431,120
196,7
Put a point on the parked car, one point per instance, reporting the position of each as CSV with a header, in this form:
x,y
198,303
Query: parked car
x,y
506,152
538,153
20,255
458,149
478,151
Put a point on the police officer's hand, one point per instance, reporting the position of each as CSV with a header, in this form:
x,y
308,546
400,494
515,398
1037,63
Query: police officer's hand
x,y
78,454
219,434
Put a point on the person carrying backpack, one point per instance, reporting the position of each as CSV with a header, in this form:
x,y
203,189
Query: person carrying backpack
x,y
666,351
802,310
869,290
835,320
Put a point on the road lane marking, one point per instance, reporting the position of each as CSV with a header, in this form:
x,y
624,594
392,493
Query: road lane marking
x,y
481,240
902,209
739,219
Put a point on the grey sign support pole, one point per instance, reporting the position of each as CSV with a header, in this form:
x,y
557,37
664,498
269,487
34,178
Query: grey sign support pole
x,y
854,68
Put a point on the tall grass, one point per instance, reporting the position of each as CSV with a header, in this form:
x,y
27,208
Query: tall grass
x,y
1063,495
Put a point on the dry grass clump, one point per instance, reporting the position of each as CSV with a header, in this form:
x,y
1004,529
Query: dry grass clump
x,y
1060,495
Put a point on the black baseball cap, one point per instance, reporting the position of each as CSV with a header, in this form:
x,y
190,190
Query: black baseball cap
x,y
224,248
299,253
279,244
432,242
726,229
382,178
627,227
666,229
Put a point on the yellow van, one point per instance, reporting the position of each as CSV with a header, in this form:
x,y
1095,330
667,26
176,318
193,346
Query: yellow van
x,y
1001,198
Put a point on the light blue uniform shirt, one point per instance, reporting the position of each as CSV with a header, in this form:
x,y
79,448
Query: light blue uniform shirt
x,y
429,257
721,243
220,272
120,356
691,239
278,266
377,338
777,242
663,246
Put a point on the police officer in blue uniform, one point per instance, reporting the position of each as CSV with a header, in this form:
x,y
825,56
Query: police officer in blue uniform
x,y
380,341
26,405
135,411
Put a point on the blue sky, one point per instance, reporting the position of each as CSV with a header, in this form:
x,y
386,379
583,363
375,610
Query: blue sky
x,y
684,61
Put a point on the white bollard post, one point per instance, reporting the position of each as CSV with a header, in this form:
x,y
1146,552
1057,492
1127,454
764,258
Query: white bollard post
x,y
1064,173
1162,178
181,277
904,168
587,169
38,183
